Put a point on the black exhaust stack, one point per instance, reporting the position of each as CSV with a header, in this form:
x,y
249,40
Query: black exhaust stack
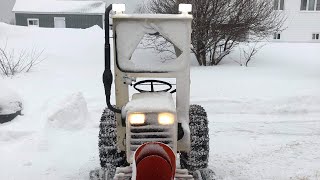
x,y
107,74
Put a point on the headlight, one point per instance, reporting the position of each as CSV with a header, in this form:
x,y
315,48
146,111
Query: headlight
x,y
137,118
165,118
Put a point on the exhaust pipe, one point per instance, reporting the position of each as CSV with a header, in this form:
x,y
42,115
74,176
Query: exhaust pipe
x,y
107,74
154,161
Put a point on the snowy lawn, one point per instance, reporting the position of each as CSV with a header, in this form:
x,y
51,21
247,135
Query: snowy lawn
x,y
264,119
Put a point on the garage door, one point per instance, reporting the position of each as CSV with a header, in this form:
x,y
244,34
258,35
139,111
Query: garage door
x,y
59,22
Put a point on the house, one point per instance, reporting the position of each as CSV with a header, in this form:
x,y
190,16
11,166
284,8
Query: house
x,y
59,14
302,23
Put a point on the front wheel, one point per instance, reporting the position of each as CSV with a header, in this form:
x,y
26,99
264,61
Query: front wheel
x,y
198,156
110,158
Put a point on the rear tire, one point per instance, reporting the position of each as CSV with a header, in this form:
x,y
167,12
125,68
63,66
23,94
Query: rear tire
x,y
110,158
198,156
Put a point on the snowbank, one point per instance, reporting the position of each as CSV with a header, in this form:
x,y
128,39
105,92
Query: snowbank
x,y
71,113
10,101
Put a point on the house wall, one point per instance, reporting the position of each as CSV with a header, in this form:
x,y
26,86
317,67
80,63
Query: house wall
x,y
300,25
72,20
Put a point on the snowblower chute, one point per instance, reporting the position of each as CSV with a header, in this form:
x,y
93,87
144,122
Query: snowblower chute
x,y
143,137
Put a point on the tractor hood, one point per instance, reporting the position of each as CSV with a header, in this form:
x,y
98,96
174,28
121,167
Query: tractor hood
x,y
150,102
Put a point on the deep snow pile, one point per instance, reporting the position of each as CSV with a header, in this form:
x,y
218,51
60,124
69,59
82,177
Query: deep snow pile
x,y
264,119
69,113
10,101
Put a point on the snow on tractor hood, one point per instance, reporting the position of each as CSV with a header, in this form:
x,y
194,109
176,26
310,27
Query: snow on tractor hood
x,y
151,102
10,101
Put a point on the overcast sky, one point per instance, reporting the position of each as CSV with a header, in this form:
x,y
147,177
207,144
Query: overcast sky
x,y
6,6
5,10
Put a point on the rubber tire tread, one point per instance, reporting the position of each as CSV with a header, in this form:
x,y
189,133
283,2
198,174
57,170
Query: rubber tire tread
x,y
109,156
197,158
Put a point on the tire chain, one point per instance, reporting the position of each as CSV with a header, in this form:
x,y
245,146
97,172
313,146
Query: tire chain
x,y
197,158
110,158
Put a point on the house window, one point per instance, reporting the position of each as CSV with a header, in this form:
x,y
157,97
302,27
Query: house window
x,y
315,36
278,4
310,5
276,36
33,22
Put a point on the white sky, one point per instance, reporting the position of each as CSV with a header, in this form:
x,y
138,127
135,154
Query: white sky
x,y
5,10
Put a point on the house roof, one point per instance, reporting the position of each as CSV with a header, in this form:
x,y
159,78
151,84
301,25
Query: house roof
x,y
59,7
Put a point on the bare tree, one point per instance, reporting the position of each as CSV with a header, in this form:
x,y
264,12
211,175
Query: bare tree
x,y
251,52
247,51
220,25
12,21
12,63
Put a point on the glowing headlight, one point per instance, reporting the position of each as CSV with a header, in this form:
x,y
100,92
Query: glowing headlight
x,y
165,118
137,118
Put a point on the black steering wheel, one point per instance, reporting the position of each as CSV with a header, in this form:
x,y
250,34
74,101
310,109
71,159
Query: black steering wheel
x,y
152,83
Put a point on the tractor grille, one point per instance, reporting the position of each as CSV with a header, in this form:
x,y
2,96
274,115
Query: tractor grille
x,y
150,133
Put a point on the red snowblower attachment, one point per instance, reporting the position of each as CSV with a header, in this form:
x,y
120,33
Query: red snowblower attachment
x,y
155,161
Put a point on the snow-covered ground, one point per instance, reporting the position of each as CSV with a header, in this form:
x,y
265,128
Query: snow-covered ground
x,y
264,119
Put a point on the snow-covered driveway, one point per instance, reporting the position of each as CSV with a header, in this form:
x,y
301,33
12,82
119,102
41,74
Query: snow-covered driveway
x,y
264,119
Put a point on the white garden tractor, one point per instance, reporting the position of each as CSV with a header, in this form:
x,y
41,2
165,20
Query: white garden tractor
x,y
155,134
